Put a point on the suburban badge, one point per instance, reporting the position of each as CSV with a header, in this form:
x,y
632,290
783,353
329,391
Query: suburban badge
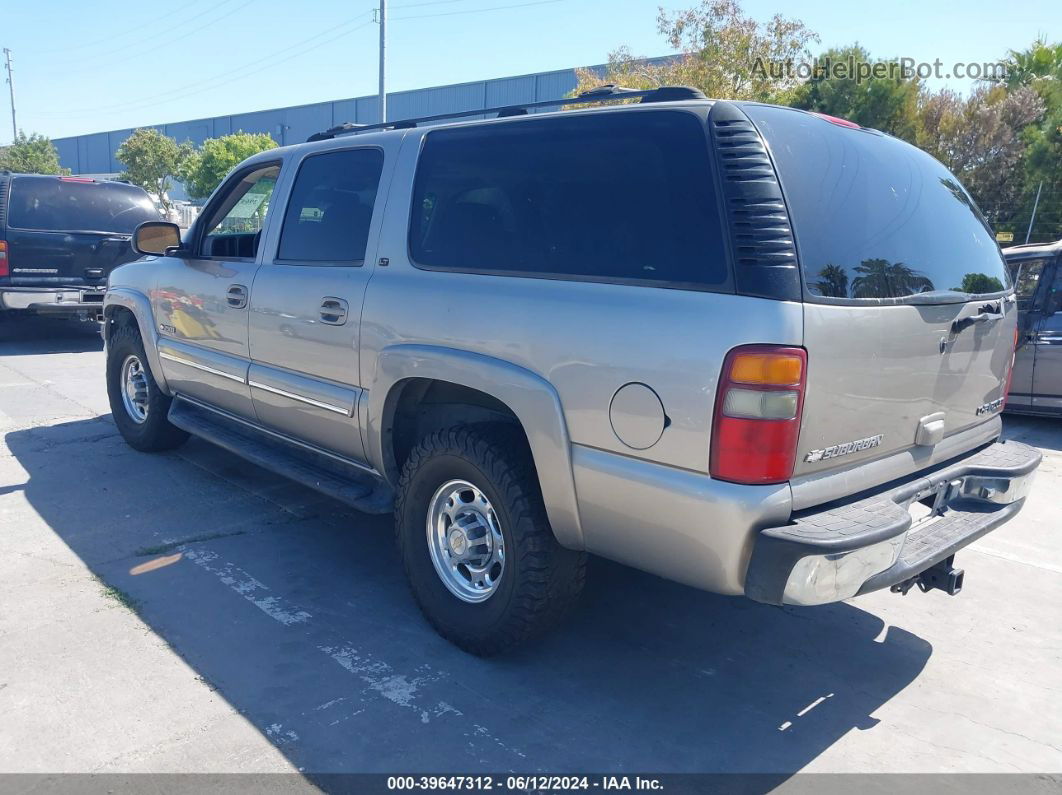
x,y
837,450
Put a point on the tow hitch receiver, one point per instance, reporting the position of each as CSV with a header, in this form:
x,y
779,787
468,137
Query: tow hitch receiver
x,y
942,575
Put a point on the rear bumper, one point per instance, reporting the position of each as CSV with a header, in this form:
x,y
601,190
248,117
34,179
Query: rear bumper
x,y
826,555
53,300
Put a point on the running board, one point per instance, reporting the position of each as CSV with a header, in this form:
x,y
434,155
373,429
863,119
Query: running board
x,y
323,472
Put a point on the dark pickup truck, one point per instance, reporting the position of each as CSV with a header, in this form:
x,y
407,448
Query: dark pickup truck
x,y
59,239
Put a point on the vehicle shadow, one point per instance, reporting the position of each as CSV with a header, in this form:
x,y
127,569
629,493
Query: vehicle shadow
x,y
295,610
27,336
1042,431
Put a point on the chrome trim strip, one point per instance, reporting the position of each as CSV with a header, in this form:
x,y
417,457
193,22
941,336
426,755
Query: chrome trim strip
x,y
170,357
276,434
300,398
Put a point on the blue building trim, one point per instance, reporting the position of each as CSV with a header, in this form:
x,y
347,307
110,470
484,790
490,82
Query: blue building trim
x,y
94,153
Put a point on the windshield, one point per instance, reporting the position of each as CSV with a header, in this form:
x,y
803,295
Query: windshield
x,y
876,218
58,205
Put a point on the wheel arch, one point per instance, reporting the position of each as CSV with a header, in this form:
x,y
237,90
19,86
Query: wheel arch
x,y
124,305
507,390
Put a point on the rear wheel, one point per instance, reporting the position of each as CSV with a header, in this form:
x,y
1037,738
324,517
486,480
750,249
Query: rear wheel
x,y
481,558
138,405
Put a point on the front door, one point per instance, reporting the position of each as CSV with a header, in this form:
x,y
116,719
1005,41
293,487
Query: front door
x,y
201,298
306,303
1047,374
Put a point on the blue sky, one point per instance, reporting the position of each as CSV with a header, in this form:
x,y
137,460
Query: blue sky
x,y
107,64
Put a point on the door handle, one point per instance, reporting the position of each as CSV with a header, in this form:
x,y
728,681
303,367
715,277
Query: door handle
x,y
236,296
333,310
986,314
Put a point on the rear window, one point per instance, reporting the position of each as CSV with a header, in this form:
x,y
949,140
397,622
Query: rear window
x,y
621,197
874,217
58,205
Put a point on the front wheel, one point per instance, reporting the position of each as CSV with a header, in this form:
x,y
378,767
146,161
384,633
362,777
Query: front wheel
x,y
481,558
138,406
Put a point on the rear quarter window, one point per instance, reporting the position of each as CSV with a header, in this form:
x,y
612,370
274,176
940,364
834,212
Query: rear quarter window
x,y
874,217
58,205
621,196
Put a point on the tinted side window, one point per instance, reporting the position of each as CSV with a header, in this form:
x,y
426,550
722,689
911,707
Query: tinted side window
x,y
72,205
612,196
330,209
875,217
1053,300
1026,280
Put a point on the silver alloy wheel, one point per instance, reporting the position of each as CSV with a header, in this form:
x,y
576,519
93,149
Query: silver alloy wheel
x,y
465,541
134,388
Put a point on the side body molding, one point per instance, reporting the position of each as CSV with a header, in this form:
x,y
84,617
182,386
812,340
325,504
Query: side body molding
x,y
532,399
139,304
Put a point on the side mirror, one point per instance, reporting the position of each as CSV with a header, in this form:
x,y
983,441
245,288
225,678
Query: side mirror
x,y
156,237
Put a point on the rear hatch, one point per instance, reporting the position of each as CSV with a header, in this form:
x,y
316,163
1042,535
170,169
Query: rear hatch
x,y
897,264
70,231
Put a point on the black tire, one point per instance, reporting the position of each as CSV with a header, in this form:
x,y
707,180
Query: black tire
x,y
155,433
541,579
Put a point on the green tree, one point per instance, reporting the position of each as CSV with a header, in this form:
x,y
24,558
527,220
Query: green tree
x,y
833,281
879,278
721,51
887,100
34,154
206,168
980,139
978,283
1039,68
152,160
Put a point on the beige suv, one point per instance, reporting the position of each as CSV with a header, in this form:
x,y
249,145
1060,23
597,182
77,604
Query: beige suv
x,y
718,341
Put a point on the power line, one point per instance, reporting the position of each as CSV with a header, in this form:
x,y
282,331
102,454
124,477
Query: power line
x,y
170,41
168,95
152,23
479,10
229,78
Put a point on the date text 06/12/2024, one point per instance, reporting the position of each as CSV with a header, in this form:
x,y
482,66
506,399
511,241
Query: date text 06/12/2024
x,y
529,783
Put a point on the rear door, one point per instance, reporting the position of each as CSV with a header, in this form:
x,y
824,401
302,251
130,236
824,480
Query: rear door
x,y
1029,289
1047,375
909,314
306,302
71,231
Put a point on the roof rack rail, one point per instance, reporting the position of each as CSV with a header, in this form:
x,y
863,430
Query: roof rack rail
x,y
605,93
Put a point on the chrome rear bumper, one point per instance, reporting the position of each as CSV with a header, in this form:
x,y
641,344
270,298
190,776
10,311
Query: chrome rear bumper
x,y
52,299
832,553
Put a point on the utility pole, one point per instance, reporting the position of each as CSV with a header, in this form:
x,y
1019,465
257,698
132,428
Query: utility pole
x,y
1028,232
11,87
383,60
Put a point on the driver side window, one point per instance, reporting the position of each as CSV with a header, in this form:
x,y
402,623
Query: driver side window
x,y
235,227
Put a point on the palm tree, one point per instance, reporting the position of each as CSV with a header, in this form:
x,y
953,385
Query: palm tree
x,y
880,278
833,282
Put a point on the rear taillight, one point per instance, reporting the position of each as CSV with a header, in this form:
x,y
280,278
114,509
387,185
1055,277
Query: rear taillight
x,y
5,268
757,414
1010,370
